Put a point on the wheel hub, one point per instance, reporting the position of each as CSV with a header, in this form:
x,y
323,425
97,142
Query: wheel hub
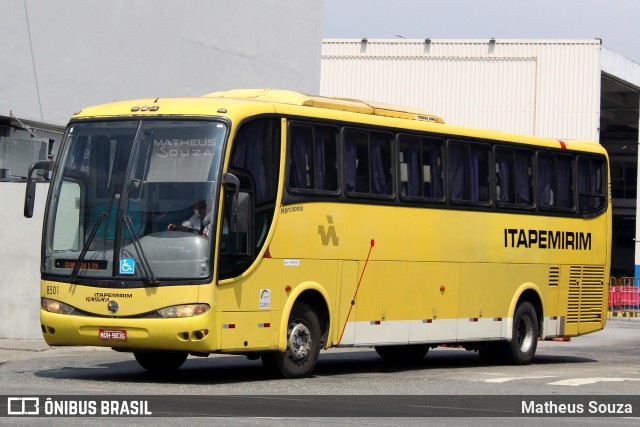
x,y
525,334
299,341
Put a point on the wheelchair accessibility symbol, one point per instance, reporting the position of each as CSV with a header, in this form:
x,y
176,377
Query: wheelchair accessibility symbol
x,y
127,266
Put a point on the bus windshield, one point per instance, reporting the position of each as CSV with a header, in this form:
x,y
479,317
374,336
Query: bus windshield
x,y
132,200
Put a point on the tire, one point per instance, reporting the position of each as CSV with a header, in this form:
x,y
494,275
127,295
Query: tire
x,y
403,353
524,338
161,361
303,345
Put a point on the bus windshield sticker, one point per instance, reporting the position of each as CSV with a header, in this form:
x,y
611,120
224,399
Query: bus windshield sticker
x,y
127,266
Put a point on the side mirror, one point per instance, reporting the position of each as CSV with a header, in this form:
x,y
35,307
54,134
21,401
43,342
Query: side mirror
x,y
30,192
240,205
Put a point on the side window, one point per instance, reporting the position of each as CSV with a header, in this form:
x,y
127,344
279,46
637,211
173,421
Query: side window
x,y
313,161
367,162
555,182
592,174
469,172
514,178
255,160
420,168
256,151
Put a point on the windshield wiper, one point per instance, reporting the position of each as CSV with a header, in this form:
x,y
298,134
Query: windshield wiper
x,y
146,267
85,248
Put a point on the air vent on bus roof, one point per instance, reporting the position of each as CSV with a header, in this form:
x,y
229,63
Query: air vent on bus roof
x,y
342,104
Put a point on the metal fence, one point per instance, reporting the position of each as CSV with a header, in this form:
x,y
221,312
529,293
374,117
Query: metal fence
x,y
624,294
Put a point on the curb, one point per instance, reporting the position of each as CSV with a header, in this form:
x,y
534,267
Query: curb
x,y
23,345
626,314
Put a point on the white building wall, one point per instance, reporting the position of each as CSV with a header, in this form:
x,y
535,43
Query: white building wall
x,y
61,56
542,88
623,68
84,53
20,262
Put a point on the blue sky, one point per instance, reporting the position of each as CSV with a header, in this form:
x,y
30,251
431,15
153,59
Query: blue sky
x,y
616,22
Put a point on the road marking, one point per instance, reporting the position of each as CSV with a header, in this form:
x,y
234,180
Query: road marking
x,y
507,379
575,382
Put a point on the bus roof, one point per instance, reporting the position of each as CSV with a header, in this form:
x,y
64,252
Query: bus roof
x,y
242,102
286,97
332,103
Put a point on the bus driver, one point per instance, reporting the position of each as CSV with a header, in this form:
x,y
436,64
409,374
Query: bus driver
x,y
198,223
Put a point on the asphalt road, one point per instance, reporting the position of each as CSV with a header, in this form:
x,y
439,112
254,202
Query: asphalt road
x,y
447,381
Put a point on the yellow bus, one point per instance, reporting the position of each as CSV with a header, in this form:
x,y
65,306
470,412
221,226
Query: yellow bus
x,y
275,224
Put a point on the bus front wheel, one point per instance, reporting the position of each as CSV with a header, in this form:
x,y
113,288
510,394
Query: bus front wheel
x,y
161,361
524,339
303,345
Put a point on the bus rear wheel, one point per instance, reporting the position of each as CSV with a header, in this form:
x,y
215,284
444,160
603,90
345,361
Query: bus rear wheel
x,y
161,361
402,353
524,338
303,345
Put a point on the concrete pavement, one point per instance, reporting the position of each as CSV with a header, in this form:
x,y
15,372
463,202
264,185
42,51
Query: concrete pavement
x,y
14,349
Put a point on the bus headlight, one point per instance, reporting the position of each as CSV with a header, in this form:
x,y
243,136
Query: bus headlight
x,y
54,306
187,310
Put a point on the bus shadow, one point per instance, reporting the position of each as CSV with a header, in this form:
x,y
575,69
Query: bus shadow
x,y
238,369
370,362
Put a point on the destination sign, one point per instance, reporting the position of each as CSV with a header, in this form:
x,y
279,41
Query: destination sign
x,y
84,265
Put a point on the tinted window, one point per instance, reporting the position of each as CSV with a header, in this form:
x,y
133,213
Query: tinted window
x,y
514,177
555,181
468,172
591,184
313,158
367,158
421,167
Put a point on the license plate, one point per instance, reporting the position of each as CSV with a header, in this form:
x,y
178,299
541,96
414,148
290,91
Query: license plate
x,y
113,334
